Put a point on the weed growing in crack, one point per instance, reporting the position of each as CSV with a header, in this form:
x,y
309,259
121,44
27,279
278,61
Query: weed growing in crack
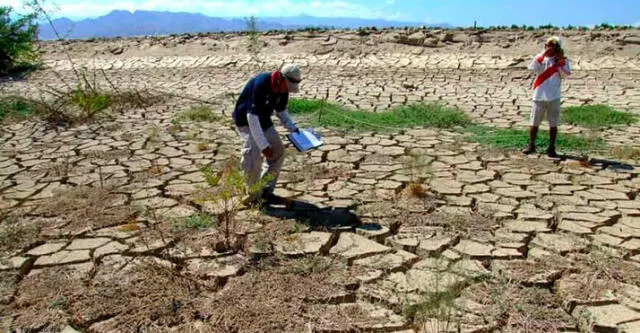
x,y
226,195
199,222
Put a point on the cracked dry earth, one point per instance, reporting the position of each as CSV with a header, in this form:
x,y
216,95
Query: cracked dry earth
x,y
469,239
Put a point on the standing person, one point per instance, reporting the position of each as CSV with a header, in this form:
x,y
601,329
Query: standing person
x,y
550,67
261,96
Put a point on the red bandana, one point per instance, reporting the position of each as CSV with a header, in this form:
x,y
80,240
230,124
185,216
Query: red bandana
x,y
278,83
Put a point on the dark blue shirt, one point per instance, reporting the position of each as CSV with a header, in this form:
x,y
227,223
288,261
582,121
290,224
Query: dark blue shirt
x,y
258,98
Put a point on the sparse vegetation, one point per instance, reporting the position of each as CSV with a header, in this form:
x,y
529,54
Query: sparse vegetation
x,y
197,114
16,108
435,312
326,114
594,116
253,43
15,234
198,222
226,195
518,138
626,152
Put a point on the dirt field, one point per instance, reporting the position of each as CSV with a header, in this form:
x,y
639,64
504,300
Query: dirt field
x,y
103,229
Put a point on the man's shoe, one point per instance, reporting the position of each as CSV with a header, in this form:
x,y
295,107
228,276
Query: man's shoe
x,y
551,152
272,199
529,150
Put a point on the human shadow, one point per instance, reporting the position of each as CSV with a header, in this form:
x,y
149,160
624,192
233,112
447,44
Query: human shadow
x,y
603,163
317,218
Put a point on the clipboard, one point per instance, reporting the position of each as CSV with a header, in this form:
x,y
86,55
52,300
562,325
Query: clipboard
x,y
306,140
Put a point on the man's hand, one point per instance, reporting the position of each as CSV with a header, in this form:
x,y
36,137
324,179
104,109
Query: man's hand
x,y
268,152
548,52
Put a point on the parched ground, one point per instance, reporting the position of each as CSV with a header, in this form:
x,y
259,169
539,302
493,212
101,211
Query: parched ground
x,y
453,237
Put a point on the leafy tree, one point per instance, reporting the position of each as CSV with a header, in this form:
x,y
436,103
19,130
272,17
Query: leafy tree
x,y
18,34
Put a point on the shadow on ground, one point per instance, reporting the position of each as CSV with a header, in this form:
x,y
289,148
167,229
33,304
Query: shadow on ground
x,y
603,163
326,218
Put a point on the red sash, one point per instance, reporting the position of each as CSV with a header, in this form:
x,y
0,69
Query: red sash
x,y
547,73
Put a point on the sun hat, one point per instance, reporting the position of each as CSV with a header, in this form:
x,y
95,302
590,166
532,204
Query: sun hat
x,y
554,40
292,75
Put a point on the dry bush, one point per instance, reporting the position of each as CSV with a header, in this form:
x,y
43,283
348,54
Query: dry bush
x,y
342,318
417,191
146,296
8,285
539,271
16,233
598,273
85,207
519,309
276,296
464,225
42,301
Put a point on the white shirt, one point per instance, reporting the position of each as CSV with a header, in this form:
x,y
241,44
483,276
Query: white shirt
x,y
550,88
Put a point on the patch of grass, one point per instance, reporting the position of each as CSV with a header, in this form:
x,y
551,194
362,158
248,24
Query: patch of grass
x,y
73,106
596,116
626,152
200,222
321,113
15,108
91,102
58,303
519,138
435,312
197,113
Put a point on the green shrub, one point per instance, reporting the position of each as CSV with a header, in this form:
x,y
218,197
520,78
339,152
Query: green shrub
x,y
18,33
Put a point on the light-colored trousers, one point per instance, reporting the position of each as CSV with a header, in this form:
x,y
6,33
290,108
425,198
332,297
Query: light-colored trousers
x,y
253,164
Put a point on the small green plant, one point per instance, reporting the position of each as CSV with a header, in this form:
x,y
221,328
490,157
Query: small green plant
x,y
253,44
16,108
594,116
90,101
199,222
58,303
197,114
309,266
518,138
228,193
18,34
326,114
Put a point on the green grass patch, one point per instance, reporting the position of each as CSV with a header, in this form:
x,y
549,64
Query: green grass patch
x,y
197,222
596,116
15,108
90,102
518,138
197,114
321,113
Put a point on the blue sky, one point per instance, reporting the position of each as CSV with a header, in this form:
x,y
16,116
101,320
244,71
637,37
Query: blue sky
x,y
456,12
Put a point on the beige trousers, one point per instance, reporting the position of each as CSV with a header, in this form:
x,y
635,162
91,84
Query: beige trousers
x,y
253,164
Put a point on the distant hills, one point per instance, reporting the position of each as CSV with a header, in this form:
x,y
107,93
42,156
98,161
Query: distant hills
x,y
122,23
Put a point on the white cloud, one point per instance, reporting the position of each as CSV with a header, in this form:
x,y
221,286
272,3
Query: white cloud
x,y
241,8
15,4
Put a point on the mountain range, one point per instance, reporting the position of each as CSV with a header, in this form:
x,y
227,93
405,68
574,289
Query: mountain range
x,y
121,23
